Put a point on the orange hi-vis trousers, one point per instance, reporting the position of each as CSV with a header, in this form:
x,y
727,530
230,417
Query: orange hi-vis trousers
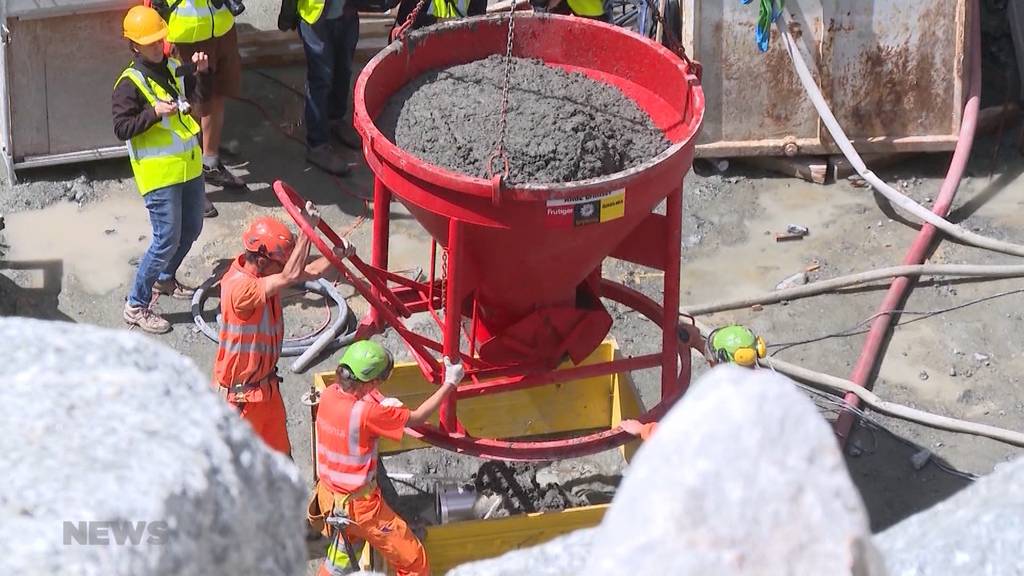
x,y
376,523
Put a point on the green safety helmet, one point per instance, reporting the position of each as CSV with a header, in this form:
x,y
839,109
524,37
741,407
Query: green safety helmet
x,y
367,360
735,343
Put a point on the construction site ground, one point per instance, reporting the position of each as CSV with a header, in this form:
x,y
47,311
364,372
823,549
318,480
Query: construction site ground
x,y
74,262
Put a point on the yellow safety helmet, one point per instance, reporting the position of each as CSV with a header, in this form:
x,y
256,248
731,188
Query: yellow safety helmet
x,y
144,26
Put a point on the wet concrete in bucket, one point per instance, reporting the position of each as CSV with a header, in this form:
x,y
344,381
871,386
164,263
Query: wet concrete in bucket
x,y
562,126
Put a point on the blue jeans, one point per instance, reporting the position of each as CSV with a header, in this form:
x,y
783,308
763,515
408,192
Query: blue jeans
x,y
330,47
176,214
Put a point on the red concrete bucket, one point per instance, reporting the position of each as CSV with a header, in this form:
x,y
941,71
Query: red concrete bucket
x,y
521,249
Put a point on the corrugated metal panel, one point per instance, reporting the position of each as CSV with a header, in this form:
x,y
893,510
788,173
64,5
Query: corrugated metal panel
x,y
892,72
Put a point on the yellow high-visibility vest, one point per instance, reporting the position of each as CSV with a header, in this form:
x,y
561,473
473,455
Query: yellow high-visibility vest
x,y
443,9
198,20
590,8
311,10
168,153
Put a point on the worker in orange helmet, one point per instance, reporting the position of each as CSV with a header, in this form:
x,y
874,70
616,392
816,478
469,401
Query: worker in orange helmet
x,y
349,423
252,327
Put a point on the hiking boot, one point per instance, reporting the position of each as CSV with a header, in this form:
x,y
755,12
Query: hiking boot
x,y
174,289
324,158
346,134
209,210
219,175
146,319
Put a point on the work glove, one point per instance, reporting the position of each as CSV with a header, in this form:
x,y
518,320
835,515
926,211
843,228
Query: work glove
x,y
288,15
312,214
453,373
391,403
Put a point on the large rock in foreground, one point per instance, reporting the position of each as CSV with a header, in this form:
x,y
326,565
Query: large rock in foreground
x,y
118,459
979,531
743,477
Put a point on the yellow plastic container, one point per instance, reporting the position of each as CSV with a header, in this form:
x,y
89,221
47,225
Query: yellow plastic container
x,y
579,405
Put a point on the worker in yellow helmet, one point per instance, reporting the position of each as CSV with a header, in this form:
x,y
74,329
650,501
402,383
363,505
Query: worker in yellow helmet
x,y
150,106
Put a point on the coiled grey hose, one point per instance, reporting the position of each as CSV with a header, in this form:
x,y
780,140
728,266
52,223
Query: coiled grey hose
x,y
340,333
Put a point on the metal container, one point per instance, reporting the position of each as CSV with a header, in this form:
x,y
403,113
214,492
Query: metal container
x,y
892,72
60,59
455,503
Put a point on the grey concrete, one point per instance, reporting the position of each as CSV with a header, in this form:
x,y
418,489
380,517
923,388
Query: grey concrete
x,y
977,532
109,426
562,126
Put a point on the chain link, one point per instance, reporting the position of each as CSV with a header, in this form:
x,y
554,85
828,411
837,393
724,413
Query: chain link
x,y
500,152
399,32
444,276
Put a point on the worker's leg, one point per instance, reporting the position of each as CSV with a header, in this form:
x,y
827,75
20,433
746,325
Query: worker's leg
x,y
164,205
317,40
477,8
375,522
269,421
225,82
346,36
192,194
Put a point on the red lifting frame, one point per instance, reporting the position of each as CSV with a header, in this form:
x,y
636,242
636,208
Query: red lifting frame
x,y
394,298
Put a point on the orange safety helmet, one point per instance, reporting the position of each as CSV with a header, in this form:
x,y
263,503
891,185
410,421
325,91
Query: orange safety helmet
x,y
144,26
269,237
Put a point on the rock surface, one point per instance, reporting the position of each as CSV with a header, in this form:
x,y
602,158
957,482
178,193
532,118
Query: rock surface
x,y
107,432
743,477
977,532
562,126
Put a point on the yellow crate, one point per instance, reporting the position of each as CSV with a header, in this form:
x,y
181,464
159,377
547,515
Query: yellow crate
x,y
579,405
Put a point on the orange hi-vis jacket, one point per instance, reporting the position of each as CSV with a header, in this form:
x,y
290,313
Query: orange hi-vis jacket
x,y
346,458
251,336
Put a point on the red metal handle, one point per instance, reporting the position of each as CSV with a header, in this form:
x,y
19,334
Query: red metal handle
x,y
292,200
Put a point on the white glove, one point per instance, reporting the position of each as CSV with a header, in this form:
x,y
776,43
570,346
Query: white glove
x,y
312,214
453,373
391,403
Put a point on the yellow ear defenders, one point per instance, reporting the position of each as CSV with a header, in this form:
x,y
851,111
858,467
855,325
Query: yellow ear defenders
x,y
748,356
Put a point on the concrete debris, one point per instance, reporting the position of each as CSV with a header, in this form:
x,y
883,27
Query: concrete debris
x,y
778,493
952,371
977,531
923,375
792,281
125,442
982,358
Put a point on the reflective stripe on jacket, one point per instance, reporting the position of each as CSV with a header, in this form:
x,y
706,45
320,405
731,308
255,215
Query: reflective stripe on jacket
x,y
168,153
448,8
346,459
198,20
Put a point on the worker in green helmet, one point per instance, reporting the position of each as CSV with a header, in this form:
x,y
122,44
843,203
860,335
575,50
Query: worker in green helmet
x,y
349,423
733,343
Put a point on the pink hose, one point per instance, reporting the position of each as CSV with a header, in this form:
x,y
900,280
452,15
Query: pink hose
x,y
918,252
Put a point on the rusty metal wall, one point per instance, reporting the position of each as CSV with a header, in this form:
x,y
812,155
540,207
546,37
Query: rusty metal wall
x,y
892,71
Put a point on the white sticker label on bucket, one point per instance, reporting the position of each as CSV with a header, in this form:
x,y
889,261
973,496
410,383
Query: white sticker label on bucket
x,y
584,210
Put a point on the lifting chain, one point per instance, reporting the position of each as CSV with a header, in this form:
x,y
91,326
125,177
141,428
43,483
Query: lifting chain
x,y
500,153
399,32
674,43
444,276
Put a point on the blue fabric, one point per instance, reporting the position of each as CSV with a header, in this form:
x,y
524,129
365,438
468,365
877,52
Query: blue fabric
x,y
176,215
334,9
766,17
330,46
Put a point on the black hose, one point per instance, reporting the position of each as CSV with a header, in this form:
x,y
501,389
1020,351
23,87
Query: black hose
x,y
343,327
